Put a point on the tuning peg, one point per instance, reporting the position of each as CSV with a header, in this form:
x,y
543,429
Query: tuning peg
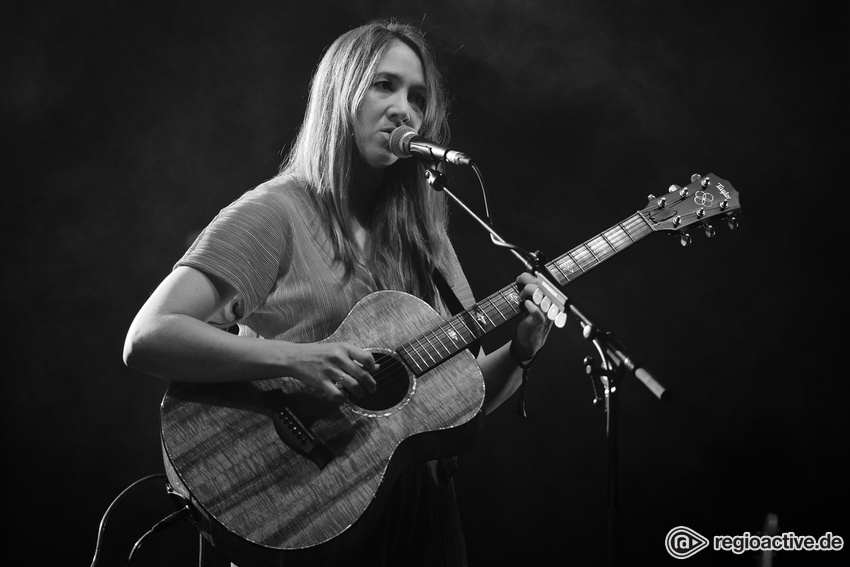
x,y
709,230
705,182
733,222
650,197
684,239
695,177
673,188
661,202
724,204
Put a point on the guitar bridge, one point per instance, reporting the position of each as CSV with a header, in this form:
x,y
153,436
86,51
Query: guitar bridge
x,y
298,437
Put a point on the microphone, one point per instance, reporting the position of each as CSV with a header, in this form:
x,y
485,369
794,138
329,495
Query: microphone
x,y
406,142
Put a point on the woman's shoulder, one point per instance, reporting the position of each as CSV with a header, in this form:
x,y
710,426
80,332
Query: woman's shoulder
x,y
284,191
281,197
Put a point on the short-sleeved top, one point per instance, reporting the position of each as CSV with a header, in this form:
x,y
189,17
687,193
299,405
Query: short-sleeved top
x,y
272,247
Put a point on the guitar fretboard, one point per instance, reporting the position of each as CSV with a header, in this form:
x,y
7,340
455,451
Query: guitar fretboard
x,y
455,334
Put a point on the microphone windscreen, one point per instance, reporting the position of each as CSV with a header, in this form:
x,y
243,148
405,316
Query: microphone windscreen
x,y
400,141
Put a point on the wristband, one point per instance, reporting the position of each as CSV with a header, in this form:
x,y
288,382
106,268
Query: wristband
x,y
525,366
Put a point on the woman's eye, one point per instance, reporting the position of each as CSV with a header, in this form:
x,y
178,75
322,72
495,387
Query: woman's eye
x,y
419,101
384,85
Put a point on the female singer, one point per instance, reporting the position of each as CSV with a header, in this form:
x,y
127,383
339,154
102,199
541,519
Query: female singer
x,y
287,261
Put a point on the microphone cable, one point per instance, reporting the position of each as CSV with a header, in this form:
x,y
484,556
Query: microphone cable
x,y
489,218
163,523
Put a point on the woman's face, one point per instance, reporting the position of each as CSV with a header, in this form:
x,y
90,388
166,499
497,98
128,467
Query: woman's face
x,y
396,96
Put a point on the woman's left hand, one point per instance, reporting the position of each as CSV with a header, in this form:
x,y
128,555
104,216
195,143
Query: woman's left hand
x,y
534,326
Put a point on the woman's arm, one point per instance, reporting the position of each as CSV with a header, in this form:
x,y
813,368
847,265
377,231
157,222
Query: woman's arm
x,y
170,338
502,374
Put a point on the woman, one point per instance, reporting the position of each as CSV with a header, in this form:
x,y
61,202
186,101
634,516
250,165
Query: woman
x,y
288,260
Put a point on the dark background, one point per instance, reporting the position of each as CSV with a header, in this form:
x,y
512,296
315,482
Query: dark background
x,y
127,126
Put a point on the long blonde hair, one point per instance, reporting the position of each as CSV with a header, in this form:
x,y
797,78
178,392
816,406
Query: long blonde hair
x,y
408,229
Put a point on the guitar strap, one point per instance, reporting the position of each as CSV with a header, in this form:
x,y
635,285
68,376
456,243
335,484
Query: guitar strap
x,y
448,466
453,303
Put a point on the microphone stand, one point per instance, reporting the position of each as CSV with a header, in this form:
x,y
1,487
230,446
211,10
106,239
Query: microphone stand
x,y
615,364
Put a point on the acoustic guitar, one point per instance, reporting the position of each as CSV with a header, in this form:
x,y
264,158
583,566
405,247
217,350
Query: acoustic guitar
x,y
275,475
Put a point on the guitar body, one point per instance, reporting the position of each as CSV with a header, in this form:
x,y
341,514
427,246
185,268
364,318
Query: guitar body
x,y
277,475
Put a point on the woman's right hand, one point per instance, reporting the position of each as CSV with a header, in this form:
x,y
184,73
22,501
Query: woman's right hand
x,y
331,368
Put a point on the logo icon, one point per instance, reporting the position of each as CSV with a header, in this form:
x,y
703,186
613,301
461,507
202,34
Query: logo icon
x,y
683,542
703,198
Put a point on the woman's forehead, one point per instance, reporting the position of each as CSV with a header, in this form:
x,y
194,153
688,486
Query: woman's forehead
x,y
401,62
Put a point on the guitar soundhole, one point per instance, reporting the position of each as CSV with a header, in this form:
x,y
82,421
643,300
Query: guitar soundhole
x,y
393,384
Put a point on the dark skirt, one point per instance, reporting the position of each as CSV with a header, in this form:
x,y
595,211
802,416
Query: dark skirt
x,y
420,525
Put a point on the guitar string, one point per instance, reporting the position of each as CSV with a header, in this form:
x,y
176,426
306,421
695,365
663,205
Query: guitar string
x,y
599,249
619,235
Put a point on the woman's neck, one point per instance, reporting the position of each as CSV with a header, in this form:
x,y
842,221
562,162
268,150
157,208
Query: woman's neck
x,y
366,185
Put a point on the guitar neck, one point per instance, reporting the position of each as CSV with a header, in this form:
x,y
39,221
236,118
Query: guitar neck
x,y
444,341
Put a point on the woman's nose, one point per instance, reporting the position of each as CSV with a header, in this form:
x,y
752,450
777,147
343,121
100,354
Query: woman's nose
x,y
401,110
400,117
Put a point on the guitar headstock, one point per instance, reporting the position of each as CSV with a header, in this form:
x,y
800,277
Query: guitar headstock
x,y
704,198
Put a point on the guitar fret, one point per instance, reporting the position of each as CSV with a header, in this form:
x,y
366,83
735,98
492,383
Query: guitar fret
x,y
421,347
495,308
627,232
429,347
484,312
416,349
646,225
565,276
622,239
602,252
510,301
591,251
445,341
477,319
568,262
407,352
583,255
457,339
573,258
451,335
436,349
456,331
510,296
470,331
